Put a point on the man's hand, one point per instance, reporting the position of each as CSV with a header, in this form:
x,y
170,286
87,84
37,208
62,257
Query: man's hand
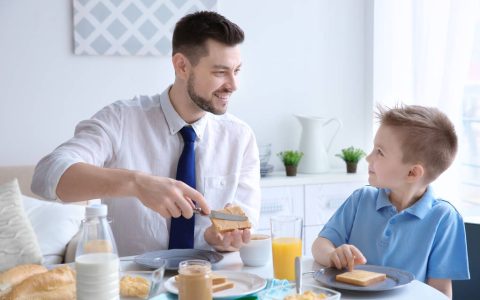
x,y
346,256
169,197
228,241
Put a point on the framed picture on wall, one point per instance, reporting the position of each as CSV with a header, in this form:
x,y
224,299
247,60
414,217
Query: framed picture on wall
x,y
129,27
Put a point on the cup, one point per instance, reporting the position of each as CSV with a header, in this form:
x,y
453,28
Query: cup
x,y
286,245
257,252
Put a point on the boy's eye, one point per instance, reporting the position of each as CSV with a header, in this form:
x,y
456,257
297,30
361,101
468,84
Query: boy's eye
x,y
379,152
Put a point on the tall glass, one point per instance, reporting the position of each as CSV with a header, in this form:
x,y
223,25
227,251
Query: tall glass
x,y
286,245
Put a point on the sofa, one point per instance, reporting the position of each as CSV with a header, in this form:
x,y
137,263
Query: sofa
x,y
54,224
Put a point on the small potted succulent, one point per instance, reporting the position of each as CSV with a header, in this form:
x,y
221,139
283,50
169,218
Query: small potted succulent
x,y
351,156
290,159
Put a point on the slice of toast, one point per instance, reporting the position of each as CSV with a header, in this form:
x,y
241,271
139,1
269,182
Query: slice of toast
x,y
216,279
222,286
361,277
219,283
226,225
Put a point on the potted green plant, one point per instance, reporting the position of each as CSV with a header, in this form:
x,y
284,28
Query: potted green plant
x,y
351,156
290,159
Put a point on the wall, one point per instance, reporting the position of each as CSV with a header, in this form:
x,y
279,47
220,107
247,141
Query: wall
x,y
305,57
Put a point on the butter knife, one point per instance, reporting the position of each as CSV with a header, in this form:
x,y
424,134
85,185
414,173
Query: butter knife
x,y
298,274
220,215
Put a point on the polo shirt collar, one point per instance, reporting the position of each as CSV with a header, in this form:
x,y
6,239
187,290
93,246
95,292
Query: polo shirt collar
x,y
175,122
423,205
419,209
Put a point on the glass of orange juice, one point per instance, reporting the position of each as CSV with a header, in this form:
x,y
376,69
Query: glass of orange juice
x,y
286,245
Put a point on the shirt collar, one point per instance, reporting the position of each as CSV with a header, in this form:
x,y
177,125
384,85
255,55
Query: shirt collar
x,y
175,122
418,209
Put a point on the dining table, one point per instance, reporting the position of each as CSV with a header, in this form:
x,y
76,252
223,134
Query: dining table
x,y
232,262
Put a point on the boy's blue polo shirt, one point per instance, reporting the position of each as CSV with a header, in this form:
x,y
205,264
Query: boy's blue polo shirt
x,y
427,239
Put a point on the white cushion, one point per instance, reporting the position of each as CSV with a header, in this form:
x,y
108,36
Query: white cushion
x,y
54,224
18,244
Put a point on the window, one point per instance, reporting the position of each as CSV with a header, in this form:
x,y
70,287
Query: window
x,y
470,150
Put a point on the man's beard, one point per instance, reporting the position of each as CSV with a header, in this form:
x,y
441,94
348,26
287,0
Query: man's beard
x,y
201,102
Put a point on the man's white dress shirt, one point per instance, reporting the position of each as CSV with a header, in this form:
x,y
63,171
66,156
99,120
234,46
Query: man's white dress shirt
x,y
143,134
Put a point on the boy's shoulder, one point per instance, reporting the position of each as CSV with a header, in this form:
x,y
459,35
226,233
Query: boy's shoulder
x,y
366,192
444,207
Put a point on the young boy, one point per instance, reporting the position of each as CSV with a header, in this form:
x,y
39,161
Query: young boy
x,y
397,221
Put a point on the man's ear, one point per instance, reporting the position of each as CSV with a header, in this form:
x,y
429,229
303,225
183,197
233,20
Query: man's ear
x,y
416,173
182,65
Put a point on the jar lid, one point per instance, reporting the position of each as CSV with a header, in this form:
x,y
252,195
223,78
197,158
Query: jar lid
x,y
96,210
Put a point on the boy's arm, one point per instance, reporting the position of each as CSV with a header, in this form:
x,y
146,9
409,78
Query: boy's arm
x,y
321,250
443,285
344,256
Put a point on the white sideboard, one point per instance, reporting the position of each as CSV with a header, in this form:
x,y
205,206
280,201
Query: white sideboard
x,y
314,197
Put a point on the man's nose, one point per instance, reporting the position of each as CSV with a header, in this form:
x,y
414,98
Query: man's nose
x,y
232,82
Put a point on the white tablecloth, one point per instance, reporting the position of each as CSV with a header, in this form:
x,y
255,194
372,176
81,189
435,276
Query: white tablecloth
x,y
231,262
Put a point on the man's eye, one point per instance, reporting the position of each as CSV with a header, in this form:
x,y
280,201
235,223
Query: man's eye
x,y
219,73
379,152
236,71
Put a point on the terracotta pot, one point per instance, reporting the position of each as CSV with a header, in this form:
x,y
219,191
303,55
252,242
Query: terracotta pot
x,y
351,167
291,170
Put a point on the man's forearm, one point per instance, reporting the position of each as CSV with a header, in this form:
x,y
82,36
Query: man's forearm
x,y
82,182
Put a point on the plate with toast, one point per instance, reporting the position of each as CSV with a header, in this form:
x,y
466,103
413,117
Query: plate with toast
x,y
174,256
369,278
227,284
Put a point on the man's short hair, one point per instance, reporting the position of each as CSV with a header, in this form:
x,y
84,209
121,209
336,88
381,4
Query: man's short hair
x,y
193,30
426,134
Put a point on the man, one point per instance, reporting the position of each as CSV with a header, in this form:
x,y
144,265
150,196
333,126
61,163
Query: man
x,y
127,153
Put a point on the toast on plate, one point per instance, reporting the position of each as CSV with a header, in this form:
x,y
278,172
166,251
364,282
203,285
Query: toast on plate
x,y
361,277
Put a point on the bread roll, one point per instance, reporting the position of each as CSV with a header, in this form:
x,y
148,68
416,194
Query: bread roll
x,y
16,275
226,225
361,277
58,283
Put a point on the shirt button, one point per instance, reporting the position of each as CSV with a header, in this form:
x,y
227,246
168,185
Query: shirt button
x,y
393,221
222,183
388,233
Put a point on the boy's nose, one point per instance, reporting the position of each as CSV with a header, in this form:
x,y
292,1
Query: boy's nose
x,y
367,158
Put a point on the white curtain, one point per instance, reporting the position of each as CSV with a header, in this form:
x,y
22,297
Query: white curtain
x,y
422,53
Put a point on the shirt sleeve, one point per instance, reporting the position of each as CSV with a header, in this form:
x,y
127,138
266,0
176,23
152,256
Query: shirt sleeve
x,y
95,142
449,258
339,227
248,193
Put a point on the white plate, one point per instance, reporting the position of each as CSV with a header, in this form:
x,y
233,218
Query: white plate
x,y
245,284
395,278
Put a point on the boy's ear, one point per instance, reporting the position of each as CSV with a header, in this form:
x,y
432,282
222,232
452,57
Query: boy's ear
x,y
181,64
416,173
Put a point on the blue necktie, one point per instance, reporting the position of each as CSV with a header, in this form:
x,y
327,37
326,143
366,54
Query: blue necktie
x,y
182,229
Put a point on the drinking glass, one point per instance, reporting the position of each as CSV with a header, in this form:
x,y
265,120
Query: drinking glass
x,y
286,245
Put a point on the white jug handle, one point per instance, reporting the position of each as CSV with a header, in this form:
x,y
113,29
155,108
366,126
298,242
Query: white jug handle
x,y
339,126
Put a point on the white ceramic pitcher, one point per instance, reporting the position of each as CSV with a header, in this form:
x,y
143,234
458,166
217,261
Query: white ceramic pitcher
x,y
315,143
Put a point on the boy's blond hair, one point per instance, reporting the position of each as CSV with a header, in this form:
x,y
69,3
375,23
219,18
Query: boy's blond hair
x,y
426,134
